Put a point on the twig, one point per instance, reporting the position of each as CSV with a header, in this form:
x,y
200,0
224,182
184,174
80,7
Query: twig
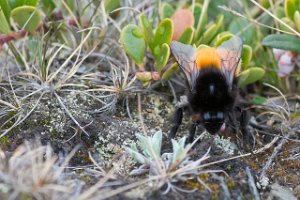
x,y
127,108
274,154
140,114
4,38
266,129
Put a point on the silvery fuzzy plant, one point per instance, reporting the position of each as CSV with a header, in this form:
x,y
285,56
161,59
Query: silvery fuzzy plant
x,y
166,168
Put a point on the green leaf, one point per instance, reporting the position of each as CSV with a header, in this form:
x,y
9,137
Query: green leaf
x,y
264,3
297,20
187,36
111,5
156,142
282,41
258,100
212,31
222,37
5,7
4,25
161,57
167,11
169,72
179,150
48,6
163,33
18,3
197,13
133,43
147,30
209,34
27,17
151,146
133,152
238,26
289,22
246,56
250,75
290,7
279,12
161,41
144,144
176,151
201,46
71,4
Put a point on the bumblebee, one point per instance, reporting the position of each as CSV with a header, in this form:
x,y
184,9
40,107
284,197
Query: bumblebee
x,y
211,76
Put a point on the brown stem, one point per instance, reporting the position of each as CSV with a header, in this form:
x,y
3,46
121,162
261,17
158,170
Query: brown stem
x,y
4,38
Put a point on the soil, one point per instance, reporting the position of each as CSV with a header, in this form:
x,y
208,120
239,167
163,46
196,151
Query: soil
x,y
110,132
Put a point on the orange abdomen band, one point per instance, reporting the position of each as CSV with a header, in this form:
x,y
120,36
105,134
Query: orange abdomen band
x,y
208,57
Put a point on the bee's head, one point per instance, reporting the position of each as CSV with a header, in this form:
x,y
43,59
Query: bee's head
x,y
213,121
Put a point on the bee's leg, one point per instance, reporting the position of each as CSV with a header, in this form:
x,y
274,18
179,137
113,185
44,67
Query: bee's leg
x,y
192,132
233,121
176,122
245,118
248,137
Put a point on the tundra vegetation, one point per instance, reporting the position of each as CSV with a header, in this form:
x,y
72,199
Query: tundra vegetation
x,y
88,89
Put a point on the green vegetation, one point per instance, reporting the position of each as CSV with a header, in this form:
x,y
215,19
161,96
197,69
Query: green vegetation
x,y
99,77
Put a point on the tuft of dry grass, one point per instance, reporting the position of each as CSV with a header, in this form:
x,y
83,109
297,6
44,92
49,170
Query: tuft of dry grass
x,y
33,170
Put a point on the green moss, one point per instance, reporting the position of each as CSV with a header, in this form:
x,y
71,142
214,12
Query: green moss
x,y
215,188
194,184
230,184
24,196
4,140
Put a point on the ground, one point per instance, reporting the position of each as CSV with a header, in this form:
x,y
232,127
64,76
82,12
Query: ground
x,y
110,132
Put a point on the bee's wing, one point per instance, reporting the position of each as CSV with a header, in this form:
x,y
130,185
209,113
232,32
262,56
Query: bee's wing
x,y
230,52
186,56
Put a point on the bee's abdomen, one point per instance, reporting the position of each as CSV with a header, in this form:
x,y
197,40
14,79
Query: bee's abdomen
x,y
208,58
211,92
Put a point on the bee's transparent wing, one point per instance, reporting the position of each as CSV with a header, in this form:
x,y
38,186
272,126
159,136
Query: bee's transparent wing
x,y
230,52
186,56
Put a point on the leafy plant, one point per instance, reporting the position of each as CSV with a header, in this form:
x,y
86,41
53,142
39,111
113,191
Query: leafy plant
x,y
286,46
204,33
168,167
185,25
135,38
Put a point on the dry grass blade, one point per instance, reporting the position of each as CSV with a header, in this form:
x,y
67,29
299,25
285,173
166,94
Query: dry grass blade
x,y
69,114
276,18
21,118
93,192
8,104
253,21
66,62
33,170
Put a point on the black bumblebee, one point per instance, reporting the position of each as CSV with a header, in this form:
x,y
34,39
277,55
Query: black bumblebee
x,y
211,76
